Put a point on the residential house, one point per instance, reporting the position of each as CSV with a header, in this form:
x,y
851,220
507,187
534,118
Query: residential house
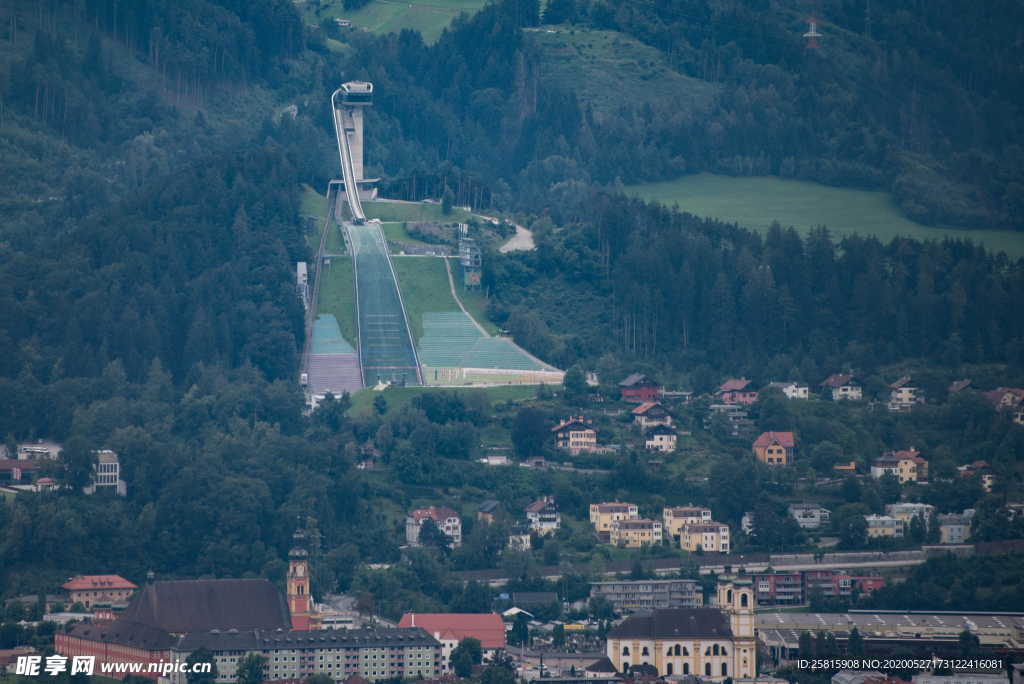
x,y
904,394
906,466
1009,399
958,386
907,511
736,391
602,515
842,387
775,448
451,628
92,589
660,438
106,475
639,388
635,533
709,536
980,469
779,588
543,516
574,435
809,516
629,596
955,528
674,517
792,390
838,583
883,526
488,511
519,538
848,468
445,518
736,415
651,413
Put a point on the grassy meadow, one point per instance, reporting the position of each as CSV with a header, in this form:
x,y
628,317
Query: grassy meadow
x,y
755,202
391,16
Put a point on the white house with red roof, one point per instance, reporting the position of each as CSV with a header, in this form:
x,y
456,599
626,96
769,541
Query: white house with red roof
x,y
446,519
91,589
451,628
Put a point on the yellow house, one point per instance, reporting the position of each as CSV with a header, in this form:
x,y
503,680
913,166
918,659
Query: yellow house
x,y
603,515
709,536
575,435
673,518
634,534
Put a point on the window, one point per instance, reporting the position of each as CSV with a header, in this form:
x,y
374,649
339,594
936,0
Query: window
x,y
668,669
725,670
686,668
677,651
625,650
714,649
743,600
644,651
707,669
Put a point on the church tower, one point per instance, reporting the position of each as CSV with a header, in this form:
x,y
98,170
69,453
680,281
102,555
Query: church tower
x,y
736,600
300,602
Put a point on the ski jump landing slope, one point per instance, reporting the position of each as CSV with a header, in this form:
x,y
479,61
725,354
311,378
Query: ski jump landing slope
x,y
386,349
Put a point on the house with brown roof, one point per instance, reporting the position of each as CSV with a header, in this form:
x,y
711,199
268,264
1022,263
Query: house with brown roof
x,y
958,385
639,388
649,414
675,517
842,387
451,628
775,448
575,434
446,519
543,516
904,394
92,589
635,533
906,466
602,515
736,391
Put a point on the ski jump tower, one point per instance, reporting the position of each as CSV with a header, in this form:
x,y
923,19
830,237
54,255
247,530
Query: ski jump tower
x,y
347,103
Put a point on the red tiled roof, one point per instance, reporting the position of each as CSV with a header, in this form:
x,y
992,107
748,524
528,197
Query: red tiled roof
x,y
785,439
837,380
487,627
538,506
12,463
581,421
734,385
436,513
905,380
644,408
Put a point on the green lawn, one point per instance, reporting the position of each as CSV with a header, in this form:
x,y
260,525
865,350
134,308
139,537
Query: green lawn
x,y
397,397
412,211
425,287
474,300
335,243
338,296
396,230
312,203
608,69
755,202
387,16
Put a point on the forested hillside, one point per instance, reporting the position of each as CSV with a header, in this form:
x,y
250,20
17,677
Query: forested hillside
x,y
150,229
